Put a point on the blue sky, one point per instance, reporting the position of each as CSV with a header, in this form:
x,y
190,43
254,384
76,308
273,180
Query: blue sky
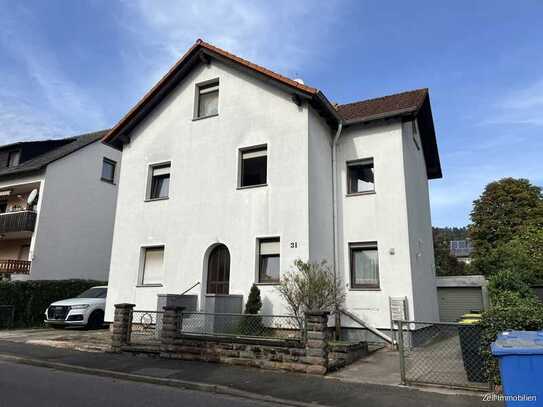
x,y
72,67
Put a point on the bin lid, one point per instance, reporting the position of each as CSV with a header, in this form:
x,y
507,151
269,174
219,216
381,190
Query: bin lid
x,y
472,315
518,343
469,321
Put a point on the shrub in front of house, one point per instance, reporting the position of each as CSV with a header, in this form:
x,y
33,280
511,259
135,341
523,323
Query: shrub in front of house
x,y
31,298
511,310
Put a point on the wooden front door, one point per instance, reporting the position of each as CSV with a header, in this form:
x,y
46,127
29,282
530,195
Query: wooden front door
x,y
218,270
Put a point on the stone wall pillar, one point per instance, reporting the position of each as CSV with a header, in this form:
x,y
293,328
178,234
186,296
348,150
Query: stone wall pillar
x,y
316,345
120,335
171,323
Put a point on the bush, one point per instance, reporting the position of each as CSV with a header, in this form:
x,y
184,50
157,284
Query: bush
x,y
311,286
506,282
252,325
31,298
511,310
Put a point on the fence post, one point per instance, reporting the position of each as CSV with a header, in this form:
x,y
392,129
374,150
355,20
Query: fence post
x,y
121,326
401,351
170,328
316,344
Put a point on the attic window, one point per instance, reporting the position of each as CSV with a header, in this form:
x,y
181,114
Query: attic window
x,y
207,100
13,158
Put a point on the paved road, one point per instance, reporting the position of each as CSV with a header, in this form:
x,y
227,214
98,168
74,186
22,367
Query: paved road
x,y
22,386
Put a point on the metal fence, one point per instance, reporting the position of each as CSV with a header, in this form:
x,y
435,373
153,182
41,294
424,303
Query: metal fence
x,y
145,327
441,353
7,316
273,327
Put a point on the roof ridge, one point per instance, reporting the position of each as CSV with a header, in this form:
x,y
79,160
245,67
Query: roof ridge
x,y
383,97
257,67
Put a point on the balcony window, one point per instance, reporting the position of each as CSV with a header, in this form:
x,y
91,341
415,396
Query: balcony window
x,y
108,170
268,261
253,166
159,185
3,205
364,265
360,176
207,100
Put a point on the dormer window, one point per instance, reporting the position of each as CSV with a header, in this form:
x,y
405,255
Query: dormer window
x,y
13,158
207,100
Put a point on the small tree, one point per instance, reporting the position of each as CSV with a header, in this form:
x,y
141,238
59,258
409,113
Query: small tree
x,y
311,286
254,302
252,323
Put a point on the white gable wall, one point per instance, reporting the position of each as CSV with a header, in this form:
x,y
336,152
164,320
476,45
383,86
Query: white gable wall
x,y
420,228
75,226
379,217
205,207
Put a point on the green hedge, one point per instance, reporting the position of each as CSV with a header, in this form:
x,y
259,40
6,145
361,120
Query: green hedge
x,y
31,298
510,310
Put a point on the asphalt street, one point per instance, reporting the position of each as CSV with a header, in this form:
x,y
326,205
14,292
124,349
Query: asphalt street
x,y
23,385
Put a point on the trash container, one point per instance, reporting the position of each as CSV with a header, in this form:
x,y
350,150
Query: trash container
x,y
520,354
469,332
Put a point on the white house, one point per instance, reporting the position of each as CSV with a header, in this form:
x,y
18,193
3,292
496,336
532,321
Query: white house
x,y
231,172
57,208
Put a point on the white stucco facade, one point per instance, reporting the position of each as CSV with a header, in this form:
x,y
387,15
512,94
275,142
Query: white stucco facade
x,y
75,213
205,206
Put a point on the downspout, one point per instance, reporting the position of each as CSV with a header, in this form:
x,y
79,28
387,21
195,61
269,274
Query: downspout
x,y
335,239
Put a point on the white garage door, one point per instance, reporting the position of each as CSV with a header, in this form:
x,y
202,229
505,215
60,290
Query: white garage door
x,y
456,301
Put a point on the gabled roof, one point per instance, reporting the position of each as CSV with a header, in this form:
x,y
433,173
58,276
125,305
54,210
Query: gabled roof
x,y
414,103
41,161
391,105
407,104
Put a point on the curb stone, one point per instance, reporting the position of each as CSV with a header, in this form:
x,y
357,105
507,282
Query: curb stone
x,y
183,384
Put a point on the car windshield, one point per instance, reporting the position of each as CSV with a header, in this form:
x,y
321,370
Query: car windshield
x,y
95,292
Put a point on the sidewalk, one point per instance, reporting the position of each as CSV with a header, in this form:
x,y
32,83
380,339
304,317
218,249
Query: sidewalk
x,y
244,382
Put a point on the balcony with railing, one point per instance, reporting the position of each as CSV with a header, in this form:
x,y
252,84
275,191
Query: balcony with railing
x,y
18,221
15,266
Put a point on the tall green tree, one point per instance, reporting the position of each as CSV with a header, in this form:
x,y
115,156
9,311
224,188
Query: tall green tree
x,y
503,212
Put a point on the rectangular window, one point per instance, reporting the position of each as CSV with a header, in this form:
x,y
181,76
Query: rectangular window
x,y
13,158
364,265
159,184
153,265
360,176
268,261
208,100
253,166
108,170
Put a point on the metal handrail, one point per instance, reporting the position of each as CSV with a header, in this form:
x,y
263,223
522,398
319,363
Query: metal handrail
x,y
186,291
239,314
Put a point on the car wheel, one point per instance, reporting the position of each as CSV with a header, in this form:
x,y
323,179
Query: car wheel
x,y
96,319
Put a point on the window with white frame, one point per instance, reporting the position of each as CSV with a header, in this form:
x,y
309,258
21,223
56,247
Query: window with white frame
x,y
268,260
253,166
364,261
360,176
159,181
207,99
108,170
152,270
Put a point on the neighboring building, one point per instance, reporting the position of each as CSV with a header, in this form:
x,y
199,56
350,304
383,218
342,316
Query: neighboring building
x,y
57,208
461,249
227,179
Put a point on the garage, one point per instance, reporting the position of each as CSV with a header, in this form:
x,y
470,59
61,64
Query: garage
x,y
459,295
457,301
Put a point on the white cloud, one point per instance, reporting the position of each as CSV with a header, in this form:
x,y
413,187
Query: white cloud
x,y
523,107
39,100
281,35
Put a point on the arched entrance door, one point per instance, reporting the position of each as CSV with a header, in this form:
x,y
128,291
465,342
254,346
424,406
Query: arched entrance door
x,y
218,270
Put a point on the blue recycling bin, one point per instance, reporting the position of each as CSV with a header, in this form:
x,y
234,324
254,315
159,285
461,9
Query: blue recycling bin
x,y
520,354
